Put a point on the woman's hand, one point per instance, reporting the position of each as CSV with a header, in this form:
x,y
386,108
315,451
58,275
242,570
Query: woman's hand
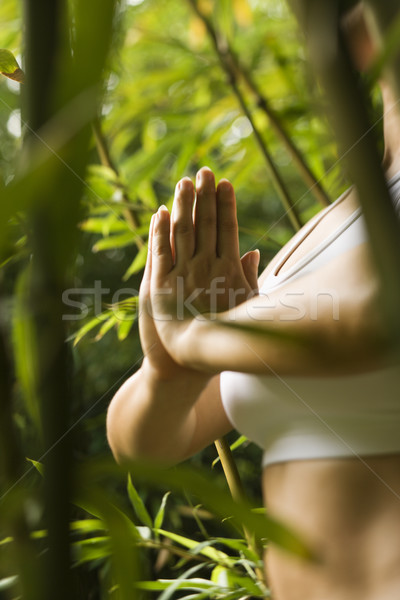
x,y
195,264
157,362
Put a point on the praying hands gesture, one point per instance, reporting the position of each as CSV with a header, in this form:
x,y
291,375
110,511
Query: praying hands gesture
x,y
193,268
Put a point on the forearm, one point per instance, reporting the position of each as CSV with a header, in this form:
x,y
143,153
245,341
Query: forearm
x,y
152,418
296,331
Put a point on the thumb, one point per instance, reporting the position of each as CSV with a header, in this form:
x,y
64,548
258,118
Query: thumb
x,y
250,262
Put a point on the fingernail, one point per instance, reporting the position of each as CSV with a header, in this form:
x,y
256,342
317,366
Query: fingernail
x,y
256,257
162,208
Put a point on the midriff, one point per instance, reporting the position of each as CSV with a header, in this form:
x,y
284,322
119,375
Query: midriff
x,y
348,511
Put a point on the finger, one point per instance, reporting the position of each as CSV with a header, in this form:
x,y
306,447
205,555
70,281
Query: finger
x,y
205,214
145,283
161,258
250,262
182,222
227,227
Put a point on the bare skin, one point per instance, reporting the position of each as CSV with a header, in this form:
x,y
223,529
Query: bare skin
x,y
348,509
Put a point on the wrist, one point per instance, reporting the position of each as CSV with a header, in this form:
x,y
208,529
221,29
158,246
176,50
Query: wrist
x,y
177,379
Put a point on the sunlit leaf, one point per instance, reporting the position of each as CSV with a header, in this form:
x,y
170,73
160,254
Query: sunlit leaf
x,y
138,263
205,550
159,518
9,66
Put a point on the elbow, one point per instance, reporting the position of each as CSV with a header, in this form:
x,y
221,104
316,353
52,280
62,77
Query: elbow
x,y
113,433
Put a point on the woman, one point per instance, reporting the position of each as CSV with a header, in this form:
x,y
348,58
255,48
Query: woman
x,y
314,391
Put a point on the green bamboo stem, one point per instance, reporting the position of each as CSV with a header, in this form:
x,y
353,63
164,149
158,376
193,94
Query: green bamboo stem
x,y
45,33
103,151
238,494
228,67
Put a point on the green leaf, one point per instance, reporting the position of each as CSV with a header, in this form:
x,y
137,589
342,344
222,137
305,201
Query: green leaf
x,y
212,553
230,579
138,505
159,519
241,547
9,66
138,262
107,325
87,525
91,549
114,241
8,582
168,592
188,584
105,225
124,327
25,354
220,502
90,325
38,466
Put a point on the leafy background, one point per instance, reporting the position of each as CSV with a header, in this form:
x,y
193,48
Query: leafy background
x,y
168,107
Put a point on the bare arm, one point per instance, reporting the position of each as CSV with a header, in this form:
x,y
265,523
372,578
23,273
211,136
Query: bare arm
x,y
324,323
167,411
164,420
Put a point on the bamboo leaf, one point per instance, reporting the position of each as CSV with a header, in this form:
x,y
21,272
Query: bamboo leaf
x,y
138,504
8,582
114,241
202,548
169,591
124,327
90,325
138,262
9,66
25,355
159,518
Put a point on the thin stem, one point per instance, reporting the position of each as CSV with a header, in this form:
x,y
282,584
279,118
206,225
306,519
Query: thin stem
x,y
105,158
238,494
229,68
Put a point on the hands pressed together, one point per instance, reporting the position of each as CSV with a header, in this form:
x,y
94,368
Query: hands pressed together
x,y
193,269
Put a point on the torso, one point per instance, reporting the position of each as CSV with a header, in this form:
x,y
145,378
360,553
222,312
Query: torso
x,y
347,509
317,230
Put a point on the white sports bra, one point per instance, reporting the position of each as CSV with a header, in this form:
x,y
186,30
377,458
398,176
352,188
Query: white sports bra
x,y
295,418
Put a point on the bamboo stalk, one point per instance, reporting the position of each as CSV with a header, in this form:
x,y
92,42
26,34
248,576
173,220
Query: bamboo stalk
x,y
238,494
45,33
230,71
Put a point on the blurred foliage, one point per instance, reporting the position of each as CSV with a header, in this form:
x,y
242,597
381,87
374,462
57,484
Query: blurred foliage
x,y
167,109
